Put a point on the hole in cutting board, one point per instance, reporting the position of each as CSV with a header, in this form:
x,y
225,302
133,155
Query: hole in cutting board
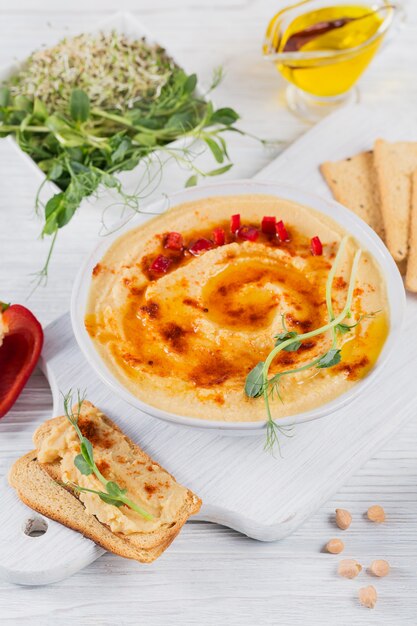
x,y
35,527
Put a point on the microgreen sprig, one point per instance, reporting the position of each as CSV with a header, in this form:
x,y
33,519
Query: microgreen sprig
x,y
259,384
85,463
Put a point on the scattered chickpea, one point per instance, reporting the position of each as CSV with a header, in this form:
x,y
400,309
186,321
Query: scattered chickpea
x,y
368,596
349,568
343,519
379,568
335,546
376,514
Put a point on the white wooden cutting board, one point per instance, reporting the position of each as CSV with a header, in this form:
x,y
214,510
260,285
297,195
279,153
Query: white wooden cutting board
x,y
241,486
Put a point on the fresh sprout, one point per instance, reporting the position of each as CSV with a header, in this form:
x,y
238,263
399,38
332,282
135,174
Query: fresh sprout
x,y
114,71
258,383
86,464
97,105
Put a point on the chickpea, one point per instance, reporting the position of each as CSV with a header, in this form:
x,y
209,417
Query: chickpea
x,y
349,568
335,546
368,596
343,519
376,514
379,568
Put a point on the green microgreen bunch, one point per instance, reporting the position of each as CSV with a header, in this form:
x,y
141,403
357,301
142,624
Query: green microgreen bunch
x,y
258,383
82,138
85,463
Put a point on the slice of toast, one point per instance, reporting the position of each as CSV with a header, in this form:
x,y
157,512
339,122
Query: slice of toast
x,y
112,450
37,490
394,164
353,183
411,274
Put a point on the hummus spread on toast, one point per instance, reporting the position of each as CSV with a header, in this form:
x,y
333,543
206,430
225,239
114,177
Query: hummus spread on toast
x,y
147,484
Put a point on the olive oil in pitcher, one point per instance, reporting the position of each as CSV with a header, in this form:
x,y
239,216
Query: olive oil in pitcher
x,y
323,50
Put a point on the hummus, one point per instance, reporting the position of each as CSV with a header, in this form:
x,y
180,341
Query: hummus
x,y
147,484
185,339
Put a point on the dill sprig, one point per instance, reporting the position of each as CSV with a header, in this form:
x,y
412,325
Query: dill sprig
x,y
258,382
85,463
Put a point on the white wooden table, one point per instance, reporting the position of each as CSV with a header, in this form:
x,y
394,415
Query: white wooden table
x,y
211,575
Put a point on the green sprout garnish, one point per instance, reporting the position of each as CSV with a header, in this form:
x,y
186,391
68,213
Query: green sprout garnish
x,y
85,463
95,106
259,384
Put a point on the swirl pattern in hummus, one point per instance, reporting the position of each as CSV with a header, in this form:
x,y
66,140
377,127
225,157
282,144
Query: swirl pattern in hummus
x,y
185,341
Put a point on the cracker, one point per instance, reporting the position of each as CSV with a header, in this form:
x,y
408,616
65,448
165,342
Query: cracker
x,y
354,184
411,275
394,165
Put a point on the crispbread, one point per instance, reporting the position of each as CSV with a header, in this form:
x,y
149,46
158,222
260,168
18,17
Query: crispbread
x,y
411,275
394,164
353,183
143,546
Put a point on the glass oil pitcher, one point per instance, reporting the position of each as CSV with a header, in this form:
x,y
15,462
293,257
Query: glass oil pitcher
x,y
322,48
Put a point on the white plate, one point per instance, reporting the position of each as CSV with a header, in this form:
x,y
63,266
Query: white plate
x,y
352,224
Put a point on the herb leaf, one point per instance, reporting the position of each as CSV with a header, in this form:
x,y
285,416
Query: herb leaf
x,y
192,181
109,499
82,465
87,451
343,329
224,116
332,357
79,105
254,381
4,96
292,347
114,490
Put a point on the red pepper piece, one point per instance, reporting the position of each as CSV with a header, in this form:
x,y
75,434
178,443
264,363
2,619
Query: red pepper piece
x,y
161,264
19,353
248,233
235,223
268,225
282,231
219,236
316,246
201,245
174,241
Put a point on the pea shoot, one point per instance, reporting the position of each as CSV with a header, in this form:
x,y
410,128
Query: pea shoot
x,y
95,106
259,384
86,464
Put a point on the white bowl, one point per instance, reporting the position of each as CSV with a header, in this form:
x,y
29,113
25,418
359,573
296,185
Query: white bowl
x,y
348,220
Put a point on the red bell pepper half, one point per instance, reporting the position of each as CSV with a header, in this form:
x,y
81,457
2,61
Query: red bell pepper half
x,y
19,352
